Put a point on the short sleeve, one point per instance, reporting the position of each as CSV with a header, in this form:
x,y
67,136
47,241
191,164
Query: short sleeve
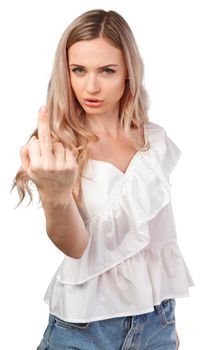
x,y
166,150
172,154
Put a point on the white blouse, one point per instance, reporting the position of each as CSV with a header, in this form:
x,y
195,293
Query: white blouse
x,y
132,261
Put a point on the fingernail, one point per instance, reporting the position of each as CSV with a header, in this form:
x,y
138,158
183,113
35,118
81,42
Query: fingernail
x,y
43,109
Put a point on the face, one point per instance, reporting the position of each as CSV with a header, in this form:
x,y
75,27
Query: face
x,y
97,71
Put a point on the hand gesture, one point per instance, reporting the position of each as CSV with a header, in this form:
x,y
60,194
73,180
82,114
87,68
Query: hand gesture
x,y
51,166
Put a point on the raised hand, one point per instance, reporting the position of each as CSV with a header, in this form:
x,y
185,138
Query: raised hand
x,y
51,166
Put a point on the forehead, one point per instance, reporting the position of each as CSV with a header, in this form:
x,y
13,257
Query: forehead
x,y
98,50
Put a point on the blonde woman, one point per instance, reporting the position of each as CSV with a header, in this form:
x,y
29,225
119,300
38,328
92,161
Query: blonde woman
x,y
102,170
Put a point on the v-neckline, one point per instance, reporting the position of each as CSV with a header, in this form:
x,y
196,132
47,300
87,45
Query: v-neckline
x,y
137,153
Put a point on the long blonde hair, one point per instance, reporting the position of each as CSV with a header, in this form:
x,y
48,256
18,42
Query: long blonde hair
x,y
67,117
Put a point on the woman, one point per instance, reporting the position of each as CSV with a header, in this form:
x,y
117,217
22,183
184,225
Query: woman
x,y
102,170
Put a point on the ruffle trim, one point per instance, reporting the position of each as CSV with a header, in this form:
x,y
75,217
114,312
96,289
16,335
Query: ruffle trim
x,y
144,279
165,149
121,230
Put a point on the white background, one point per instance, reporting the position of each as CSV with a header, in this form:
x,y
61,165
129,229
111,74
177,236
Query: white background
x,y
169,40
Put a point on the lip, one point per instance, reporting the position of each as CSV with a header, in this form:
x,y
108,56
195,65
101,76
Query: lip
x,y
93,99
93,102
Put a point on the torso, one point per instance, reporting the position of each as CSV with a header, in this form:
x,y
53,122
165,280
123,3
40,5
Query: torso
x,y
118,152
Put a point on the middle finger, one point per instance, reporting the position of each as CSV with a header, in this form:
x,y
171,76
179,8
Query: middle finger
x,y
44,133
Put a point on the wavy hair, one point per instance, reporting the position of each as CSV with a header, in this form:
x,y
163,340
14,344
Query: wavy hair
x,y
67,117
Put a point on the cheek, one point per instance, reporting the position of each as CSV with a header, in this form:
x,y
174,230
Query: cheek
x,y
117,88
76,87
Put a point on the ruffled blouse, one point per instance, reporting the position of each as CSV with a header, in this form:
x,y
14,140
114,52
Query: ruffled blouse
x,y
132,261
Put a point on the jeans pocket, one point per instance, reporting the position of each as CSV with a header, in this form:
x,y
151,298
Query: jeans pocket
x,y
66,324
168,311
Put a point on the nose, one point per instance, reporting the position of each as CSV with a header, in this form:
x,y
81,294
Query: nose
x,y
92,84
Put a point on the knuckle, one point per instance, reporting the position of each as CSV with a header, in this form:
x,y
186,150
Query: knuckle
x,y
73,163
71,167
59,168
31,140
35,168
48,167
41,169
58,146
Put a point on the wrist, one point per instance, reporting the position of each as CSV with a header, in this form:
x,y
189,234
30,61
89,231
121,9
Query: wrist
x,y
52,203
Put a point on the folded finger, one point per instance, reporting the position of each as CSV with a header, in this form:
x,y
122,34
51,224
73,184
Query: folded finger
x,y
69,158
24,154
34,154
59,154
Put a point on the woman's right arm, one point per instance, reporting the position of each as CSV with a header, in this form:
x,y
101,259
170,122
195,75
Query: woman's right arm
x,y
53,169
65,227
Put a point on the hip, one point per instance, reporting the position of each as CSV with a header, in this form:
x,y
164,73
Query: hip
x,y
149,330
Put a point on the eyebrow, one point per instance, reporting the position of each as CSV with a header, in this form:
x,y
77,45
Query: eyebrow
x,y
107,65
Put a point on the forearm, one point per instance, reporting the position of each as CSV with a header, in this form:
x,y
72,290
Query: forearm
x,y
65,227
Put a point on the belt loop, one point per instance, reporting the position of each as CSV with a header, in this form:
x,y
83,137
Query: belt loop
x,y
130,322
157,309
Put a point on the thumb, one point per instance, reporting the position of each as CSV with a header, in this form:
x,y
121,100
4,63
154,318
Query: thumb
x,y
24,154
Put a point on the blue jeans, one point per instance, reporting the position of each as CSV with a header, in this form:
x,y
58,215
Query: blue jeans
x,y
152,330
